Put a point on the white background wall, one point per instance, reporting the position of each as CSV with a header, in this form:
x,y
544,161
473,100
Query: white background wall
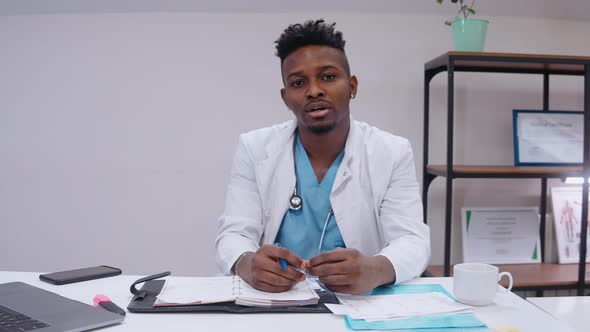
x,y
117,130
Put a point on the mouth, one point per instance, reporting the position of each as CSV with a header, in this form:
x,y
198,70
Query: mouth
x,y
318,109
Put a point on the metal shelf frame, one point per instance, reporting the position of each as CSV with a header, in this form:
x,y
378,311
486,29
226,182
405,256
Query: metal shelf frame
x,y
513,63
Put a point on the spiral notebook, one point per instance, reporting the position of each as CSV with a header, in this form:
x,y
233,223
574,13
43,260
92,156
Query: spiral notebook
x,y
199,291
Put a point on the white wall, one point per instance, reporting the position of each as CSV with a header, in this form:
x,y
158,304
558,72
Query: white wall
x,y
117,130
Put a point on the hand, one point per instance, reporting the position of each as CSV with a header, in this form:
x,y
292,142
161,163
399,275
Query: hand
x,y
349,271
263,271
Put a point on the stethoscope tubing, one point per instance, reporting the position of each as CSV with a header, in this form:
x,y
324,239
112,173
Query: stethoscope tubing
x,y
296,202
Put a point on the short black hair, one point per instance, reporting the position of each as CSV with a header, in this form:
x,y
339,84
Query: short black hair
x,y
311,32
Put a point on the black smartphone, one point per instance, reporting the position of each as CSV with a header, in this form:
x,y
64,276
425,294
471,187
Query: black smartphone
x,y
71,276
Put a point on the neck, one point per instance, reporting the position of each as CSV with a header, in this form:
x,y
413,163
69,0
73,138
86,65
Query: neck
x,y
324,147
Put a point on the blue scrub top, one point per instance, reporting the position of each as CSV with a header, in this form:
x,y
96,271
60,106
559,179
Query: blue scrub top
x,y
301,230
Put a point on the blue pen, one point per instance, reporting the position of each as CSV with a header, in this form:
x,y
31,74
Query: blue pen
x,y
282,261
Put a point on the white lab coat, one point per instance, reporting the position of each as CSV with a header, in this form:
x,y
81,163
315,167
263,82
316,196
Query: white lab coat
x,y
375,197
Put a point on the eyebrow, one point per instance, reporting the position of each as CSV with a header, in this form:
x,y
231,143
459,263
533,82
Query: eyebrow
x,y
300,72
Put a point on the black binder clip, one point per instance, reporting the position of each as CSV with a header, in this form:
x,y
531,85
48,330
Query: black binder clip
x,y
141,294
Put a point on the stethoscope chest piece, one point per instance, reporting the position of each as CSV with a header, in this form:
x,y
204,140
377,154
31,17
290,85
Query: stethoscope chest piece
x,y
295,202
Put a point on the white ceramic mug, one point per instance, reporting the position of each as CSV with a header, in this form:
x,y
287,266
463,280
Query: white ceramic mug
x,y
477,283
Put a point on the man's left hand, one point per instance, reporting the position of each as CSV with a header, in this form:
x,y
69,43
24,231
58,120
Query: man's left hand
x,y
349,271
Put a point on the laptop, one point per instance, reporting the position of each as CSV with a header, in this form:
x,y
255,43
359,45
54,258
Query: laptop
x,y
27,308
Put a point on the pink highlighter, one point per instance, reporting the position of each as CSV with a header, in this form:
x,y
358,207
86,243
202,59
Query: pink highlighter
x,y
104,302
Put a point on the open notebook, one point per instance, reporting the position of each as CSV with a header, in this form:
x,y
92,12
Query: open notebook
x,y
188,291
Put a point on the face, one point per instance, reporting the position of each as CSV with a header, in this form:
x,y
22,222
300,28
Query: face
x,y
318,88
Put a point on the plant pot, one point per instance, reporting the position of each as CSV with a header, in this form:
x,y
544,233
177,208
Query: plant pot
x,y
469,34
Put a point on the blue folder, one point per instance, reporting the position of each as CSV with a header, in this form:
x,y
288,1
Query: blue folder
x,y
448,322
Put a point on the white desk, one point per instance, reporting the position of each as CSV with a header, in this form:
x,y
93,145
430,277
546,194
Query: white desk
x,y
508,310
571,310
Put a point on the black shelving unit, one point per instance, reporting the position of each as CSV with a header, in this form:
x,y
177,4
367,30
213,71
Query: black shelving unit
x,y
545,66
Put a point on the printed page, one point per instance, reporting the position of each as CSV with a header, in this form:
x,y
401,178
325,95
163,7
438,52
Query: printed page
x,y
300,294
189,291
382,307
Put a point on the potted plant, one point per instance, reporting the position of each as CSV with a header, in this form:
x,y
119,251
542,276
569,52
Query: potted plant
x,y
469,34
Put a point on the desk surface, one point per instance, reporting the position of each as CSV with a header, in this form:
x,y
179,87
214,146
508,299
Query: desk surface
x,y
571,310
508,310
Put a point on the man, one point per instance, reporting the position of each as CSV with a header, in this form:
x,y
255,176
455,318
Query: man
x,y
339,196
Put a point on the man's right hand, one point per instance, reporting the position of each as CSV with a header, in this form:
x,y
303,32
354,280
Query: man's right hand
x,y
262,270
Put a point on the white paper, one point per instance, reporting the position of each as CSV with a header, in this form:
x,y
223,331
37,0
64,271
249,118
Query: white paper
x,y
567,216
194,291
197,291
300,294
337,309
382,307
501,235
550,137
314,282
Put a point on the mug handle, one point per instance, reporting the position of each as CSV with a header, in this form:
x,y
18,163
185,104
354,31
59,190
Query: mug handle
x,y
500,275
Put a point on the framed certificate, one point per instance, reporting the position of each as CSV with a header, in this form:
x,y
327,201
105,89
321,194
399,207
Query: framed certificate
x,y
548,138
567,214
501,235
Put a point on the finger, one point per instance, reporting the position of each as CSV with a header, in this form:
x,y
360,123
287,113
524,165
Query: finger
x,y
264,286
340,289
305,265
286,254
272,265
337,280
292,259
336,255
276,280
327,269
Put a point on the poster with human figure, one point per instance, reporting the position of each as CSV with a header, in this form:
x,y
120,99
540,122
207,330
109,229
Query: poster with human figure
x,y
567,213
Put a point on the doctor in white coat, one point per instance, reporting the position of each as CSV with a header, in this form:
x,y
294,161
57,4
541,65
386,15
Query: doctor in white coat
x,y
340,196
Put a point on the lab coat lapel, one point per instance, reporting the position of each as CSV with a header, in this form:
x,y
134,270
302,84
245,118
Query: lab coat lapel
x,y
277,180
344,172
342,200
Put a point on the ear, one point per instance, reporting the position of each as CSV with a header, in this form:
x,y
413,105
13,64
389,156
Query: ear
x,y
353,83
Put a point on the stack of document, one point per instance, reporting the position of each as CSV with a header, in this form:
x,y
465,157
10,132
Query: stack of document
x,y
425,307
300,294
188,291
383,307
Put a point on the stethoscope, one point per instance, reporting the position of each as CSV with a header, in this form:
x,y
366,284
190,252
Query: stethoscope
x,y
296,202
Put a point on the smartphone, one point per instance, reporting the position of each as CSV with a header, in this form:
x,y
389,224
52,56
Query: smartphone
x,y
71,276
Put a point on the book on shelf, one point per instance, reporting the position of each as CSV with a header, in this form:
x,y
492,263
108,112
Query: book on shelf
x,y
207,290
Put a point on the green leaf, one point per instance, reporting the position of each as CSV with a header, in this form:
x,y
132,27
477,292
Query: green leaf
x,y
439,1
471,10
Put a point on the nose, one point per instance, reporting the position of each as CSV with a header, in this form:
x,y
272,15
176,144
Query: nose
x,y
314,89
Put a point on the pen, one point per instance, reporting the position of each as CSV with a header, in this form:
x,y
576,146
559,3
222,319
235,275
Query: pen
x,y
104,302
282,261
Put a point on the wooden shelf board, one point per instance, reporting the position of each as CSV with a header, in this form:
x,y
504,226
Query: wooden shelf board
x,y
510,62
506,171
534,275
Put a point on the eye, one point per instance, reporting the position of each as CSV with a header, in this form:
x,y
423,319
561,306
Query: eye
x,y
328,77
297,83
